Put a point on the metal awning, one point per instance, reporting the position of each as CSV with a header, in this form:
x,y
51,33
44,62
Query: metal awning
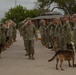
x,y
49,15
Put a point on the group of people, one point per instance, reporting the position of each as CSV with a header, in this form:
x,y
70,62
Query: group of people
x,y
62,30
7,34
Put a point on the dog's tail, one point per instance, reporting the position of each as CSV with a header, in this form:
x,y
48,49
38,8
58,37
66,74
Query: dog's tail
x,y
53,57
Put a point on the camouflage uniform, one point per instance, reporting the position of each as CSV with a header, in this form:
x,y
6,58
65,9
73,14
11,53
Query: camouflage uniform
x,y
66,35
10,35
2,36
51,34
59,36
30,33
56,30
42,32
46,30
74,34
69,29
14,32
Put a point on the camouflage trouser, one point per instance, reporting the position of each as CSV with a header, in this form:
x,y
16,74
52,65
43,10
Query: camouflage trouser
x,y
9,42
14,36
47,42
43,40
51,41
62,43
29,47
24,42
75,44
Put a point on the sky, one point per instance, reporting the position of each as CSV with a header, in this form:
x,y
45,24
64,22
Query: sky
x,y
5,5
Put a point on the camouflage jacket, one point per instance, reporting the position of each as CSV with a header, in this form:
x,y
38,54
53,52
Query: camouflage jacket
x,y
29,32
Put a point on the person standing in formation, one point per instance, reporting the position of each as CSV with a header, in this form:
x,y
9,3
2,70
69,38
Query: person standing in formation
x,y
30,35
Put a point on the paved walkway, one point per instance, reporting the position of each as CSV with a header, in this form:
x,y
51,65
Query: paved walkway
x,y
14,61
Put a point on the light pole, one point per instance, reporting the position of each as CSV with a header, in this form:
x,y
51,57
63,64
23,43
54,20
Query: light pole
x,y
15,3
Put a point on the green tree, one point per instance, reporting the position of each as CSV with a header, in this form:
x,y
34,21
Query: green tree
x,y
18,14
70,5
32,13
44,4
67,4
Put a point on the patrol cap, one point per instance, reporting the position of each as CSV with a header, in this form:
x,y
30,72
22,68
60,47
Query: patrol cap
x,y
74,15
74,19
28,18
56,19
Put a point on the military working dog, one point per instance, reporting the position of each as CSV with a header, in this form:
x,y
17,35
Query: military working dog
x,y
62,55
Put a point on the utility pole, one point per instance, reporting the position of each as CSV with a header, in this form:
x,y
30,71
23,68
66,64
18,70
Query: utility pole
x,y
15,3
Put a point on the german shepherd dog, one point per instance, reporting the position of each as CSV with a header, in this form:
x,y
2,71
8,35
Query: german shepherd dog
x,y
62,55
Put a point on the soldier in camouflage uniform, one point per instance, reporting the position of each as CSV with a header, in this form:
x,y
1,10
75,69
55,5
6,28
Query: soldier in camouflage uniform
x,y
47,33
63,36
9,33
2,38
74,31
51,33
42,31
14,31
57,32
66,33
30,33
